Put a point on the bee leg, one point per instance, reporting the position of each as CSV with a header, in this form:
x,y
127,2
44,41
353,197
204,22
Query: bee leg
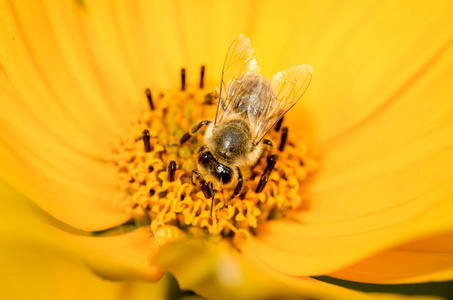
x,y
271,161
213,196
198,175
192,130
270,145
238,189
240,185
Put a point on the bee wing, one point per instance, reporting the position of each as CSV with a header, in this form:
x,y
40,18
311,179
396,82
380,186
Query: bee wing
x,y
240,76
288,87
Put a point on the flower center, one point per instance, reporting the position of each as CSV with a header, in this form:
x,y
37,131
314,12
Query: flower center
x,y
155,172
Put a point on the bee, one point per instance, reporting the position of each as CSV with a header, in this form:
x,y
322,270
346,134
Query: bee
x,y
248,107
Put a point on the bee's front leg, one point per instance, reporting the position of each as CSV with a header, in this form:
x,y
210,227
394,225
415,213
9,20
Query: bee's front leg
x,y
193,130
238,189
269,144
197,174
271,161
239,186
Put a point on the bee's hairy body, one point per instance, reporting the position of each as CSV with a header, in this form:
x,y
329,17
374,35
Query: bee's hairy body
x,y
231,147
248,107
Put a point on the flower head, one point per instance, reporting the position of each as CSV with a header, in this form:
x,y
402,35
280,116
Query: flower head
x,y
370,202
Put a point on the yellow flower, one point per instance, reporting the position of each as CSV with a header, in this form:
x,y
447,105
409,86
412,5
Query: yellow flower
x,y
377,210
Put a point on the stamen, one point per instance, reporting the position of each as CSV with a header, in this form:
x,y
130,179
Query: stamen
x,y
284,138
279,124
202,77
171,171
271,161
150,98
263,181
183,79
146,137
205,189
210,98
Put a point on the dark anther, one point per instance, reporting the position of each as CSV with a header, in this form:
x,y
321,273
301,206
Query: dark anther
x,y
212,207
263,181
152,192
150,98
150,169
145,138
183,79
209,99
279,124
284,138
132,180
205,189
202,77
185,138
171,171
271,161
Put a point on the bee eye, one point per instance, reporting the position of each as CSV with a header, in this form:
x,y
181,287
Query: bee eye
x,y
225,177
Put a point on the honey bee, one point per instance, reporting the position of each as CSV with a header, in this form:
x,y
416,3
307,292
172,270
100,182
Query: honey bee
x,y
248,107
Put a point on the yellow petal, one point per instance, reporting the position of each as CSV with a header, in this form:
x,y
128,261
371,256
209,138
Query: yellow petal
x,y
158,38
385,134
214,270
71,187
58,119
52,77
425,260
315,249
37,272
362,53
117,258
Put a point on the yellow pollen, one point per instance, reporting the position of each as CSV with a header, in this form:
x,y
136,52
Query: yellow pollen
x,y
168,206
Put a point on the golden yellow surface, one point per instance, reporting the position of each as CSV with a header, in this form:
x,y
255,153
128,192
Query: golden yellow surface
x,y
379,110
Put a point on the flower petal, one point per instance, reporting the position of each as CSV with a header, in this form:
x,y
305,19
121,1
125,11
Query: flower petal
x,y
37,272
429,259
161,37
363,53
51,76
55,146
386,174
71,187
213,270
117,257
315,249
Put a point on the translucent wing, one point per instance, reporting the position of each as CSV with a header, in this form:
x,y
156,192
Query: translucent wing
x,y
287,88
241,80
